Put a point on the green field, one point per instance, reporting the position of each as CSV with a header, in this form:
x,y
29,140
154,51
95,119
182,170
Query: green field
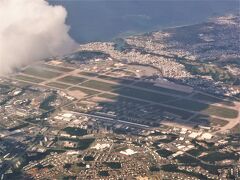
x,y
84,90
42,73
207,120
211,99
29,79
99,85
72,80
221,112
114,79
90,74
58,68
205,108
142,94
58,85
160,89
109,96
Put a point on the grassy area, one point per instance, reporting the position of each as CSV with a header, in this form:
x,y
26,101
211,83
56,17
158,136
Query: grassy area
x,y
212,99
205,108
29,79
58,85
84,90
207,120
42,73
100,85
160,89
217,73
114,79
109,96
145,95
72,80
90,74
58,68
221,112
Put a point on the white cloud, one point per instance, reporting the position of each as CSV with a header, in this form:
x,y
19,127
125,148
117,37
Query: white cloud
x,y
31,30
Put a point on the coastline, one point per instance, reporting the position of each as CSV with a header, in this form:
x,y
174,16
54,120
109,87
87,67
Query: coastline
x,y
159,28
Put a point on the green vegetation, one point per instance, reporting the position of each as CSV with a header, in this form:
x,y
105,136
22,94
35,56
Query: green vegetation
x,y
84,90
114,79
186,159
4,89
211,99
113,165
81,164
142,94
68,178
205,108
99,85
164,152
207,120
58,85
219,156
90,74
121,45
85,55
74,131
154,169
58,68
217,73
42,73
103,173
109,96
67,166
29,79
160,89
195,152
174,168
88,158
72,80
85,143
45,104
221,112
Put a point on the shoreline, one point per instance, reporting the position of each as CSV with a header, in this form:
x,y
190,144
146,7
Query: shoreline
x,y
156,29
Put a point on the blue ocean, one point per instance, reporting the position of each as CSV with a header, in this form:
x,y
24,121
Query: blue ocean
x,y
104,20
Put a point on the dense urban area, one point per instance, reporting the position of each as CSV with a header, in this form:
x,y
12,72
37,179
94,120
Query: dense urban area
x,y
161,105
